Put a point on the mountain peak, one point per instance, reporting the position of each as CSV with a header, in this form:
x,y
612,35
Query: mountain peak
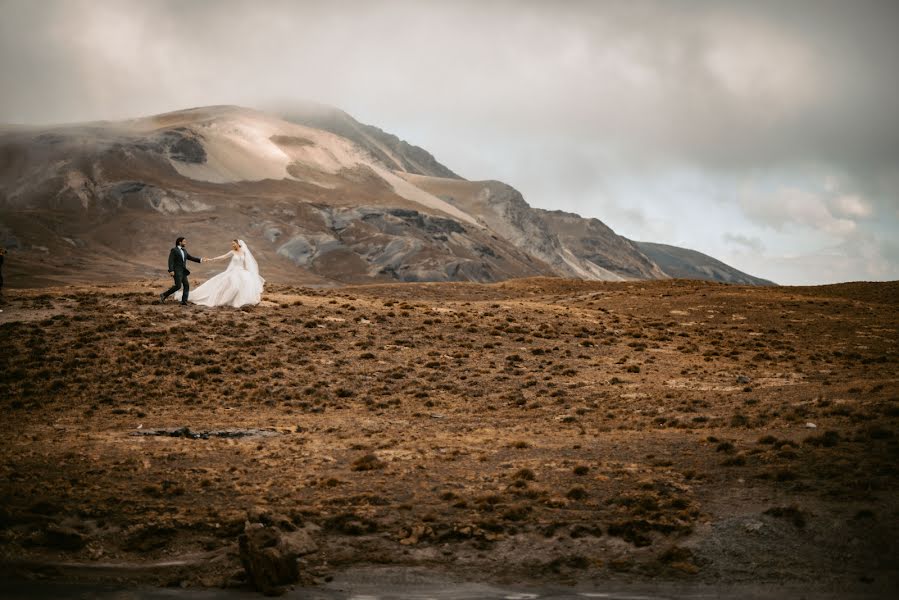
x,y
397,154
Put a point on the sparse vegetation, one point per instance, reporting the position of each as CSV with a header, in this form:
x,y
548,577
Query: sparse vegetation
x,y
447,418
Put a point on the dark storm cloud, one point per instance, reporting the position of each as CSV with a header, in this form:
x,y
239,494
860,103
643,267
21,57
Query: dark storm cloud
x,y
555,97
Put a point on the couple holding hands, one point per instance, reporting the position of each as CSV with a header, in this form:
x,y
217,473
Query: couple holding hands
x,y
238,285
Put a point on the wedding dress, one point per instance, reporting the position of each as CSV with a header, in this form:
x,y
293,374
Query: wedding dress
x,y
238,285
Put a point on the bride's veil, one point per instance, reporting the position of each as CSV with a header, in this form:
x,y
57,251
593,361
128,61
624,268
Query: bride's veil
x,y
252,265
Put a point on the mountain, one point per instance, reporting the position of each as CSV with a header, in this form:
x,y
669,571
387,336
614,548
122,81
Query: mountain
x,y
689,264
390,150
321,198
105,201
502,209
593,241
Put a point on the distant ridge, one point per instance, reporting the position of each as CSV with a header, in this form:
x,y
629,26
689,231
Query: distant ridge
x,y
682,263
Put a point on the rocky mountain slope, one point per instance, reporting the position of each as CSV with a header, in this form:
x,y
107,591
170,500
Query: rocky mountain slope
x,y
594,241
683,263
320,197
502,209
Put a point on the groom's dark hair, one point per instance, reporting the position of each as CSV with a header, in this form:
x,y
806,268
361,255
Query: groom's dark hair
x,y
178,241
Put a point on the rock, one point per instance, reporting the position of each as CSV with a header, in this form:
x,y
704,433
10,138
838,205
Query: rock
x,y
183,147
299,542
268,568
742,379
271,519
270,556
753,526
412,535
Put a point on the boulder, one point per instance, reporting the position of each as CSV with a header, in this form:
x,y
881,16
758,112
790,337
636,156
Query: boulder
x,y
270,556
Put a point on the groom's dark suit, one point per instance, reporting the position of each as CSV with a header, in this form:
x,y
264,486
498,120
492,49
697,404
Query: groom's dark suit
x,y
178,268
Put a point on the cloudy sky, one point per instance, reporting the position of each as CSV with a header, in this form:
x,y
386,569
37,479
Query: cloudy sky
x,y
763,133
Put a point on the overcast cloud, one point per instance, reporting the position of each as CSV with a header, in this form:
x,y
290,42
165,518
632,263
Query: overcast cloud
x,y
765,134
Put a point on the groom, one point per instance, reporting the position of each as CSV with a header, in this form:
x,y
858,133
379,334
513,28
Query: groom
x,y
178,258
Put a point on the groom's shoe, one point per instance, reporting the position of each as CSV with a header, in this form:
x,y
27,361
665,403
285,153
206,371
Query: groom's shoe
x,y
184,304
162,298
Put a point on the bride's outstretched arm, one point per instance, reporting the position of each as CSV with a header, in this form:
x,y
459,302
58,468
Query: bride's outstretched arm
x,y
222,257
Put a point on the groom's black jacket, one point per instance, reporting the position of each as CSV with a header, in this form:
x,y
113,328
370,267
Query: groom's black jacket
x,y
176,263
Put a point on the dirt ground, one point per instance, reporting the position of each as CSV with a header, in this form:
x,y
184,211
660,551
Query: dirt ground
x,y
540,430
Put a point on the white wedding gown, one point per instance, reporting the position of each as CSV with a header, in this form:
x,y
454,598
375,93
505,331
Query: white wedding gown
x,y
238,285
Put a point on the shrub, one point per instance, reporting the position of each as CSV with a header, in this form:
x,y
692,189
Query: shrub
x,y
369,462
577,493
524,474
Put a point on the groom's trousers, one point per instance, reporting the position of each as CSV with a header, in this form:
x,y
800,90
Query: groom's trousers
x,y
180,278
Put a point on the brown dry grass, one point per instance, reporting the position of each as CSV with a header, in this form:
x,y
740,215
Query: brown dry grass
x,y
530,429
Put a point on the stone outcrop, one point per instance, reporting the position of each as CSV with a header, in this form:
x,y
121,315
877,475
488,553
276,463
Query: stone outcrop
x,y
269,556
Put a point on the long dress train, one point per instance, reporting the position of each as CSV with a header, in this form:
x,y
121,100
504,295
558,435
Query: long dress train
x,y
238,285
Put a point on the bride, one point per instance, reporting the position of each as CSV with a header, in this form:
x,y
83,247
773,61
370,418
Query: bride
x,y
238,285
